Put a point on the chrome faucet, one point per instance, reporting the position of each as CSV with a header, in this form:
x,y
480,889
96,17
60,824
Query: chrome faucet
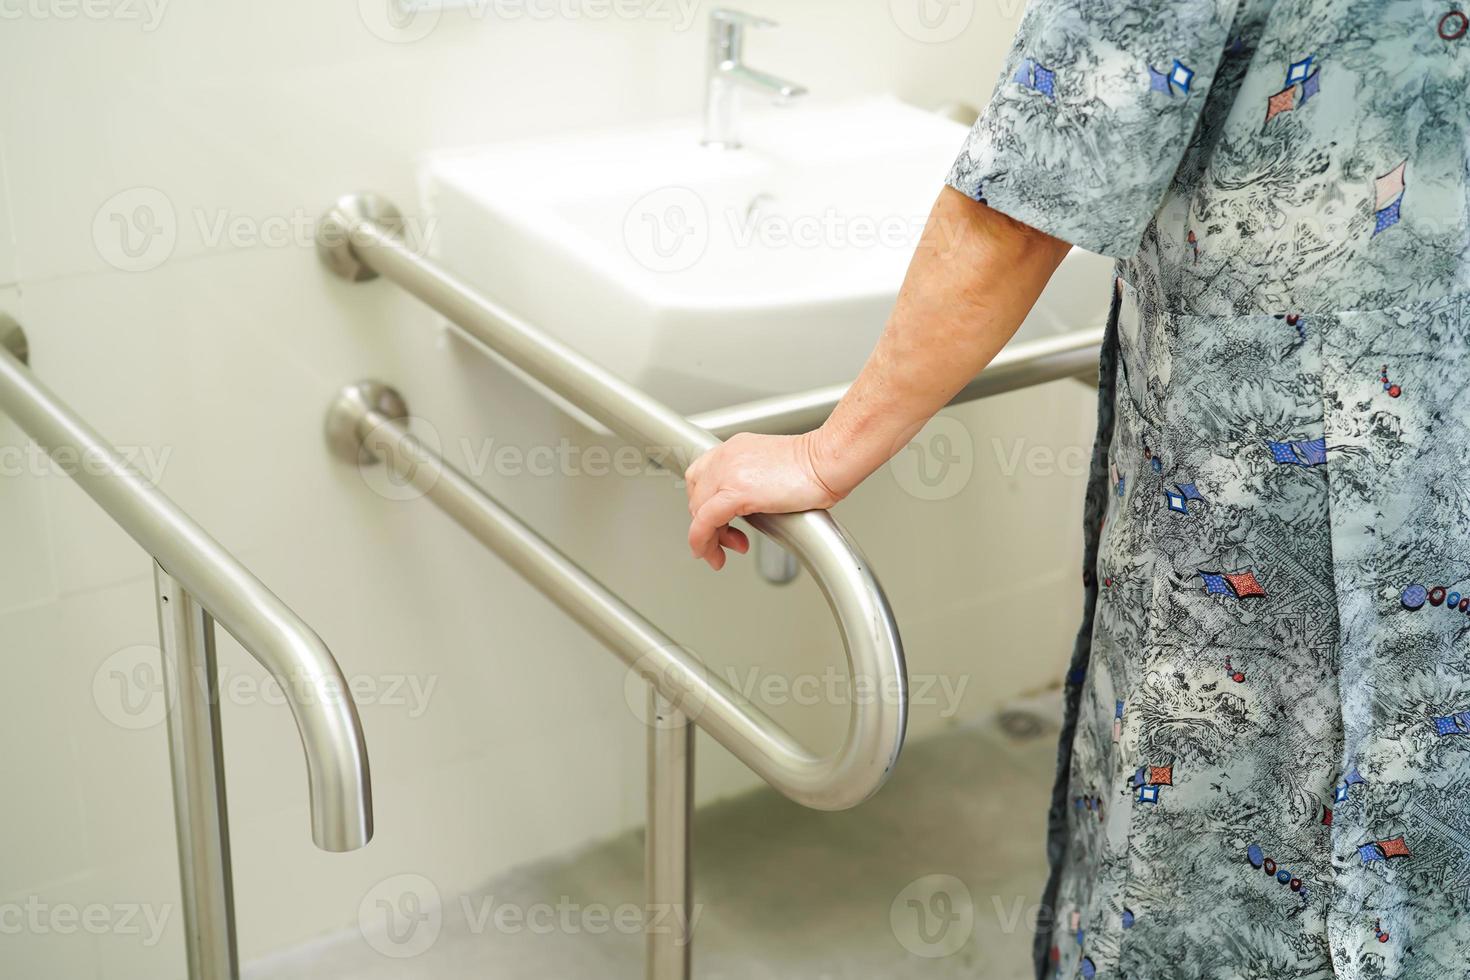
x,y
728,73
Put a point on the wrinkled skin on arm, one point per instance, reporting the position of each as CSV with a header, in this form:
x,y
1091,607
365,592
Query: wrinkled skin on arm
x,y
974,277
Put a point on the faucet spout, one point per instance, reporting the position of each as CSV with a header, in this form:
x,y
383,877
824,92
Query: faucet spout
x,y
780,89
728,74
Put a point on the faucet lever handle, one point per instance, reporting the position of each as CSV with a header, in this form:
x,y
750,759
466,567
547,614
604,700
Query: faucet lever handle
x,y
725,15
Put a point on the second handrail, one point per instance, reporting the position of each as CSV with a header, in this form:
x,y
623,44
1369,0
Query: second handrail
x,y
317,692
1068,355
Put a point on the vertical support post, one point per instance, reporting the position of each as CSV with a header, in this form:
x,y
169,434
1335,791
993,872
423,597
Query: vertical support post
x,y
191,681
670,926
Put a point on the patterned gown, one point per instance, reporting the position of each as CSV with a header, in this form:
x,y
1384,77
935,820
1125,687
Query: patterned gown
x,y
1265,767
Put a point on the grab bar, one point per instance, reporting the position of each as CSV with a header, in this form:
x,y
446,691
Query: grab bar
x,y
1019,366
368,416
199,582
358,239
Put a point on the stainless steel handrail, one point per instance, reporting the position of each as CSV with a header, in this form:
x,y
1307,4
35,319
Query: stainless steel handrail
x,y
198,583
336,754
359,238
1069,355
367,416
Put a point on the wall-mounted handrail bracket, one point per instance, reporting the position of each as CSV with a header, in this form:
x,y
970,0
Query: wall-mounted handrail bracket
x,y
337,234
14,339
354,403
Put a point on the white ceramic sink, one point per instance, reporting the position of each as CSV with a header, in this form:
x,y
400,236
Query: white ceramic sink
x,y
709,276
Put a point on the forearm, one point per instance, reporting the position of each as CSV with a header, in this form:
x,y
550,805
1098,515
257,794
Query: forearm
x,y
973,279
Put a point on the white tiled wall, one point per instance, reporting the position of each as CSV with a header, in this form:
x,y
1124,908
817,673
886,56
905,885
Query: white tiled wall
x,y
142,162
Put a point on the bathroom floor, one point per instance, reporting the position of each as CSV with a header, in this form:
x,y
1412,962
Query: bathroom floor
x,y
786,893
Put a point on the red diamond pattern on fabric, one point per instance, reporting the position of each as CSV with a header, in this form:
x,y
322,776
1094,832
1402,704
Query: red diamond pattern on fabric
x,y
1245,585
1283,101
1394,848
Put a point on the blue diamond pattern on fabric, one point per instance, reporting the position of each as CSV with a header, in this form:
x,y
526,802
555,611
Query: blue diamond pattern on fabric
x,y
1446,725
1370,853
1389,216
1023,72
1158,81
1311,86
1148,794
1282,452
1354,778
1046,82
1340,793
1176,502
1299,70
1190,491
1215,583
1181,76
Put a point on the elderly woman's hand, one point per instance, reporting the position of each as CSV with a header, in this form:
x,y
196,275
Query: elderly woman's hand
x,y
751,474
973,279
